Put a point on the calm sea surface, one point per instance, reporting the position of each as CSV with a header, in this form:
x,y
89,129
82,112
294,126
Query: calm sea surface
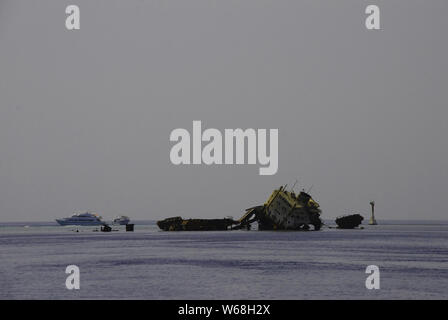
x,y
151,264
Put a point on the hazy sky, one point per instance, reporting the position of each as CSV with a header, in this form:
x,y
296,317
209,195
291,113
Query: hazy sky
x,y
85,116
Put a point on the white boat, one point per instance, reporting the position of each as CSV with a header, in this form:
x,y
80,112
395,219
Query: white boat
x,y
122,220
81,219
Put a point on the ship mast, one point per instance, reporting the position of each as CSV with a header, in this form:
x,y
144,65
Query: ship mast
x,y
292,189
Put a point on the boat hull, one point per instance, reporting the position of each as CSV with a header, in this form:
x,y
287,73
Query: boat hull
x,y
121,222
63,222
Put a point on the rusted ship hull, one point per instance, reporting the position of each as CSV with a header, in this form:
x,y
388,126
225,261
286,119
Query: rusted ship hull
x,y
179,224
270,219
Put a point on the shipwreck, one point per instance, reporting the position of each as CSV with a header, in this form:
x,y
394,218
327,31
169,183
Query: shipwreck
x,y
350,221
283,210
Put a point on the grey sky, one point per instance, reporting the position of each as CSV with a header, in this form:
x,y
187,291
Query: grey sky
x,y
85,116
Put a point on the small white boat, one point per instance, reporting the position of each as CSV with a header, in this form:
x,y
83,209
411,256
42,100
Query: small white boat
x,y
121,220
81,219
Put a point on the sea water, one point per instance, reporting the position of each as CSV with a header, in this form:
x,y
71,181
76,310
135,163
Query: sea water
x,y
152,264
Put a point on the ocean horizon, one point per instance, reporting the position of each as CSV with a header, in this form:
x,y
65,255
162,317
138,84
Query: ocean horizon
x,y
153,221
